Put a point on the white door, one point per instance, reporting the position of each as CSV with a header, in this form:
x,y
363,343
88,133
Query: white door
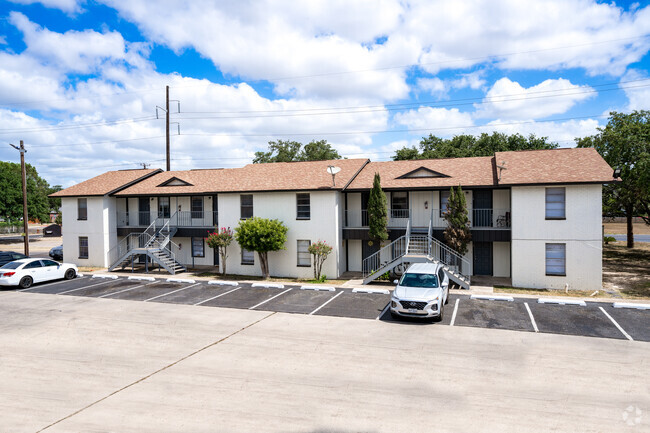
x,y
54,270
421,202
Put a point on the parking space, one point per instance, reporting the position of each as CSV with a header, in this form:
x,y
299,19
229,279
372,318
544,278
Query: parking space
x,y
299,301
635,322
358,305
496,314
574,320
593,319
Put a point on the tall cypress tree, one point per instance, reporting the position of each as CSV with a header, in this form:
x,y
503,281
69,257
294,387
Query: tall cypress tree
x,y
377,212
457,234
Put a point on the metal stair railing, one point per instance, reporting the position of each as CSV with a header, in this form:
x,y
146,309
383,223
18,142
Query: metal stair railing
x,y
131,242
391,253
451,258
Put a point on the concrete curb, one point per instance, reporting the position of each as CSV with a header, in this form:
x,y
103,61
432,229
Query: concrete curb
x,y
112,277
631,305
493,298
372,291
561,302
223,283
180,280
318,288
268,285
142,278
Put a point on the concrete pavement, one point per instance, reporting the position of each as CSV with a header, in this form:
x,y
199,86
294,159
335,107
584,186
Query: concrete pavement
x,y
83,364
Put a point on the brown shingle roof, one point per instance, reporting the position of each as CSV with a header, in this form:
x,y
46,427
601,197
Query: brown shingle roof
x,y
105,183
281,176
465,171
578,165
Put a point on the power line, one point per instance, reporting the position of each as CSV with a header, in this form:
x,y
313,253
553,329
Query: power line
x,y
77,126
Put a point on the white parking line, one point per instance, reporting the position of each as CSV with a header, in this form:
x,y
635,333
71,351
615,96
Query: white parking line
x,y
616,324
532,319
169,293
46,285
383,311
453,316
125,290
327,302
264,302
215,297
85,287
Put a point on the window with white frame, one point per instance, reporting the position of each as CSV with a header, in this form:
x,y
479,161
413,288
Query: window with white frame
x,y
304,257
399,204
197,207
83,247
163,207
198,247
82,209
303,206
555,203
247,257
246,206
444,202
556,259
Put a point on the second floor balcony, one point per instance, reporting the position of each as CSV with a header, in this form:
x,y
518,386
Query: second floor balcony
x,y
201,219
420,219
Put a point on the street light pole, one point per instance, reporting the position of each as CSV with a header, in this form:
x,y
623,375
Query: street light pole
x,y
24,177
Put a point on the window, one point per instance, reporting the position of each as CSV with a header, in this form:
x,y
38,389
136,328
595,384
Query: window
x,y
82,209
555,203
197,247
399,203
197,207
33,265
163,207
247,257
444,202
49,263
303,207
556,259
83,247
246,206
304,258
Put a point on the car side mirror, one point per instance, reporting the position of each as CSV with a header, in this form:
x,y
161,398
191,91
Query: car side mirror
x,y
395,281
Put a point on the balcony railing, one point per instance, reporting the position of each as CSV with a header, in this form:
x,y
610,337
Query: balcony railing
x,y
399,218
178,219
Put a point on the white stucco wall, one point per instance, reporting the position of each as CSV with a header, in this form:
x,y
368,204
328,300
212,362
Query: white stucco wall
x,y
100,228
324,224
580,231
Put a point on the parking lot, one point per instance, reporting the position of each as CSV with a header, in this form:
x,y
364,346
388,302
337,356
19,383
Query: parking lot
x,y
592,319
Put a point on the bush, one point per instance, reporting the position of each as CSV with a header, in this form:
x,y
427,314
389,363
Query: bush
x,y
609,239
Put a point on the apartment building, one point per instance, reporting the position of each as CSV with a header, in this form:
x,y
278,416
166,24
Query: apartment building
x,y
535,216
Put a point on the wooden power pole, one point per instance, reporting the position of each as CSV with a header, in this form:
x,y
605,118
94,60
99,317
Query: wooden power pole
x,y
167,128
24,178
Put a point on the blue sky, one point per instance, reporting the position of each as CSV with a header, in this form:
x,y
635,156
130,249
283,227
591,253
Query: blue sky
x,y
80,80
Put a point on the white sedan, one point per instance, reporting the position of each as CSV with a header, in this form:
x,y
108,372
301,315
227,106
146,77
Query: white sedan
x,y
25,272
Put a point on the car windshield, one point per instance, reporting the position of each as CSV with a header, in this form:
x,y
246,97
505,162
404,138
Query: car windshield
x,y
12,265
419,280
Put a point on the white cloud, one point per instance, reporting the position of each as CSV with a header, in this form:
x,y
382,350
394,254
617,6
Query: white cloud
x,y
442,122
508,99
637,95
440,88
68,6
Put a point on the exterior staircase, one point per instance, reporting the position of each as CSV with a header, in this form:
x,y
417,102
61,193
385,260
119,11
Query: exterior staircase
x,y
154,243
417,248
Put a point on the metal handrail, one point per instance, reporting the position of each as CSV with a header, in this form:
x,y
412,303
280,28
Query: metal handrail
x,y
372,263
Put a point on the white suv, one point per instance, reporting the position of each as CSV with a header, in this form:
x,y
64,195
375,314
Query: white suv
x,y
421,292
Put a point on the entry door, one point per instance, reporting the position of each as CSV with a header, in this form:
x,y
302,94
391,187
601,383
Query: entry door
x,y
368,250
143,211
482,258
482,208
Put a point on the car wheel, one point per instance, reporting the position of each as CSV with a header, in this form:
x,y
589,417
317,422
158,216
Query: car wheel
x,y
26,282
440,316
70,274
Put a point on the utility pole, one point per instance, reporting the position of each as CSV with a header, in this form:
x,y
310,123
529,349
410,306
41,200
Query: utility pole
x,y
167,128
24,177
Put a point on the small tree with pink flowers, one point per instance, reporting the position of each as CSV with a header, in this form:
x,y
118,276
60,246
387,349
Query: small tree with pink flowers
x,y
320,250
221,240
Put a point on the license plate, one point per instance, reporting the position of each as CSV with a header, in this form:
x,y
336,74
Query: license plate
x,y
413,310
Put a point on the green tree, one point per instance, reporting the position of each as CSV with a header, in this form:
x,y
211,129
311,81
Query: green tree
x,y
457,234
377,212
39,204
625,144
462,146
261,235
221,240
320,250
289,151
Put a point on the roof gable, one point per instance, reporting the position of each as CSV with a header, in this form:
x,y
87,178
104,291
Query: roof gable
x,y
421,172
174,181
